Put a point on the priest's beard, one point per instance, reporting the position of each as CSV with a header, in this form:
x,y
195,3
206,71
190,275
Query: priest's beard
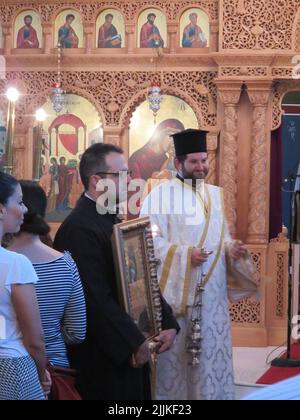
x,y
195,176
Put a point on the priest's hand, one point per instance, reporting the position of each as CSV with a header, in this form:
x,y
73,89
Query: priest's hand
x,y
141,356
238,250
166,338
199,257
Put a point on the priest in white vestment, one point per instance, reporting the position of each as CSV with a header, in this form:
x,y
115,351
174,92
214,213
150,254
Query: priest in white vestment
x,y
191,236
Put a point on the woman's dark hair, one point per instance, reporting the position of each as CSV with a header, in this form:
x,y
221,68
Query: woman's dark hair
x,y
35,200
7,187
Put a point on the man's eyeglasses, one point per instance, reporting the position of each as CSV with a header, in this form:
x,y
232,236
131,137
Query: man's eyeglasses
x,y
120,173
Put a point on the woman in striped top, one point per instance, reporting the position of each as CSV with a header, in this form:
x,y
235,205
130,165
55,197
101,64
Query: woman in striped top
x,y
59,290
23,373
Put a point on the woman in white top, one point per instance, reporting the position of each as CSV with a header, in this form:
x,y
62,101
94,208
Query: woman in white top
x,y
23,373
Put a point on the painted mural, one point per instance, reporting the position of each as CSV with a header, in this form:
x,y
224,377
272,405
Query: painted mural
x,y
69,30
152,155
28,32
66,137
194,29
110,30
152,29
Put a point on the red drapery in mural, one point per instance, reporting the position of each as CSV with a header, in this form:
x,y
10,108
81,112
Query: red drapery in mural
x,y
68,140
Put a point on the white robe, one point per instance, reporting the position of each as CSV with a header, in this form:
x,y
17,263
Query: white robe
x,y
175,234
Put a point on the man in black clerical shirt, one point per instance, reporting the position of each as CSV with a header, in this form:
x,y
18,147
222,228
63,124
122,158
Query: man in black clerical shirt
x,y
104,360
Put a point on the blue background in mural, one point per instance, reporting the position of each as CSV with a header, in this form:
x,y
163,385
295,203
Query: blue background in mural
x,y
291,157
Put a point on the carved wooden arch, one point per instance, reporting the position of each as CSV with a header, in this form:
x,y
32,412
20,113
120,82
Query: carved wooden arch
x,y
195,6
141,97
75,90
296,32
44,10
61,9
41,98
23,9
99,11
146,7
279,92
14,13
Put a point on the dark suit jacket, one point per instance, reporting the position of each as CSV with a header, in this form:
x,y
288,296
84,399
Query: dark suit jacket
x,y
102,361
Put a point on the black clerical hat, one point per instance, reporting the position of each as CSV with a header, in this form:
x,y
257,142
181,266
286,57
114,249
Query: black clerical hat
x,y
190,141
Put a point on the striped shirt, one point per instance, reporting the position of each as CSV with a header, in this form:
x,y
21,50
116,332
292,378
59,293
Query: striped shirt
x,y
62,307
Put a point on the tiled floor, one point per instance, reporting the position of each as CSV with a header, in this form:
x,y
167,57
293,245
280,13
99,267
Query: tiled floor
x,y
242,391
249,365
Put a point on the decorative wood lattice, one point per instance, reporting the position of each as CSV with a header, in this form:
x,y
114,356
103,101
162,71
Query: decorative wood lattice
x,y
282,73
280,265
249,311
280,89
248,71
115,94
255,24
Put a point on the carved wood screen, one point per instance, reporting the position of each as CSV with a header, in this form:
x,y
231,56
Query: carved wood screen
x,y
252,45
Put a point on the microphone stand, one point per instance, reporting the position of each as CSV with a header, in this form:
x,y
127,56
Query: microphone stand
x,y
288,361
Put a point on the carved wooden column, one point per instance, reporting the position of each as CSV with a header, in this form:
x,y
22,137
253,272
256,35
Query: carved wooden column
x,y
130,30
258,220
21,168
112,135
89,41
47,38
212,146
8,41
214,31
173,30
230,93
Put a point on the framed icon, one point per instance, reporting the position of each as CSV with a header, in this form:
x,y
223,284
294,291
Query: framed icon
x,y
136,268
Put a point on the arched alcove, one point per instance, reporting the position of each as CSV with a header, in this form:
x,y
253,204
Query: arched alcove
x,y
152,152
28,33
152,29
110,29
68,29
65,138
194,29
